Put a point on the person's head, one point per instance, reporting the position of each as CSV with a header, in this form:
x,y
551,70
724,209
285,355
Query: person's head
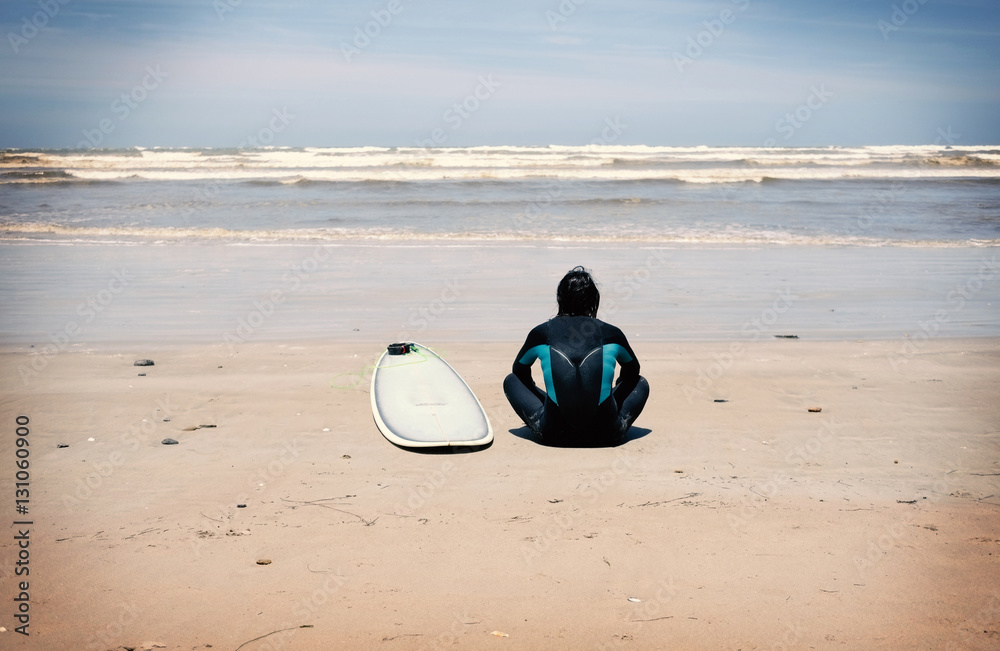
x,y
577,294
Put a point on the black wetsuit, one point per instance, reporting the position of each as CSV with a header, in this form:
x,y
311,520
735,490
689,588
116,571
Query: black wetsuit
x,y
581,404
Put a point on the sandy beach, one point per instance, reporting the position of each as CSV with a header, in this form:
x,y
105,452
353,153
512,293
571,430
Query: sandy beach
x,y
215,216
746,524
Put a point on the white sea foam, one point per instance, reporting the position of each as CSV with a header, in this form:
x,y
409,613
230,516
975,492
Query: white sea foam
x,y
48,233
594,162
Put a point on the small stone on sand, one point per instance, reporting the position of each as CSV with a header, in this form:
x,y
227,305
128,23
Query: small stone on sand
x,y
142,362
263,561
169,442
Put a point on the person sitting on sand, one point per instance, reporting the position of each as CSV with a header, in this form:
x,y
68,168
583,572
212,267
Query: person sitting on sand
x,y
581,404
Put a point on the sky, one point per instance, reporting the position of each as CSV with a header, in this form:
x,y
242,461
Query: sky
x,y
397,73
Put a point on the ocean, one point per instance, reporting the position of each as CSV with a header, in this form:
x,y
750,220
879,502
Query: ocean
x,y
868,196
227,245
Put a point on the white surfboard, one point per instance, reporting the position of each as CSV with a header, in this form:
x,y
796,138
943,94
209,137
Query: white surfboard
x,y
418,400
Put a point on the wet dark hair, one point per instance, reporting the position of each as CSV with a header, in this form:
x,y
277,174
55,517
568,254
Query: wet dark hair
x,y
577,294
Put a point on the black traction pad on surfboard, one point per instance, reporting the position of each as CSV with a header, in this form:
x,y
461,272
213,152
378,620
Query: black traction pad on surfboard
x,y
398,349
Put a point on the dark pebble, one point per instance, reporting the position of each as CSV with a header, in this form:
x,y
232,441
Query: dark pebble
x,y
62,445
786,336
241,506
720,400
143,362
169,442
142,375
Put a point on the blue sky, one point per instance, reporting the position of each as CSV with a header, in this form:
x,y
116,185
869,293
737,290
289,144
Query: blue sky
x,y
225,73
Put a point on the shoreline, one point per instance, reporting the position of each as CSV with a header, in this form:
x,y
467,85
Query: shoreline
x,y
107,294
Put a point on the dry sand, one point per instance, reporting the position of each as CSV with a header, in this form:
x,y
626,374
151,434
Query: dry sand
x,y
746,524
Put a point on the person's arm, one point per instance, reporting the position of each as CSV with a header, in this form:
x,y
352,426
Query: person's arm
x,y
628,375
527,356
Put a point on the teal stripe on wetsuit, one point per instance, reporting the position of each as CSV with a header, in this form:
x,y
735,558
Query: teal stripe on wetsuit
x,y
543,355
612,353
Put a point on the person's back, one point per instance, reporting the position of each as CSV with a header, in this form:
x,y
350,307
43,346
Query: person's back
x,y
581,404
